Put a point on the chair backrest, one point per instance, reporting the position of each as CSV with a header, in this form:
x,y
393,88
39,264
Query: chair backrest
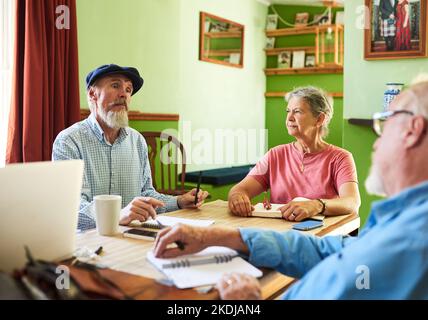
x,y
166,152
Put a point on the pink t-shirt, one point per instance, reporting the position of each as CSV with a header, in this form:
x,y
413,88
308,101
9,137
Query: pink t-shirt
x,y
323,172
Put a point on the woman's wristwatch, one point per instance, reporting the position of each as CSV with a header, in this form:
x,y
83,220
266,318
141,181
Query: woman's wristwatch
x,y
323,206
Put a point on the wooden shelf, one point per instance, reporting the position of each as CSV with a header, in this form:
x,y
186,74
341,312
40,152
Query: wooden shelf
x,y
222,53
332,4
314,70
234,34
137,115
361,122
276,51
298,30
281,94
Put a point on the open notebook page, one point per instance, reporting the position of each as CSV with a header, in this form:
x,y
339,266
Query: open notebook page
x,y
206,274
274,212
171,221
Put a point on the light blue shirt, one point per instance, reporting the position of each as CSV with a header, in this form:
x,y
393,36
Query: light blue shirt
x,y
389,260
121,168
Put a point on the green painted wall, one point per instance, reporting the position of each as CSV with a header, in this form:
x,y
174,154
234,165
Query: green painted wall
x,y
364,86
275,107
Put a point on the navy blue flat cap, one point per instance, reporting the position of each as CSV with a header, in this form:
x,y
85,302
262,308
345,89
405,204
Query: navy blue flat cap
x,y
107,69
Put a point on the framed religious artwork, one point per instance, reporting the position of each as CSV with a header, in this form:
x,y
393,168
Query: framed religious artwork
x,y
395,29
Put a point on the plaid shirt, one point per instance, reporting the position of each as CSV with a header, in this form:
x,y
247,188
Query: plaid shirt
x,y
121,168
387,28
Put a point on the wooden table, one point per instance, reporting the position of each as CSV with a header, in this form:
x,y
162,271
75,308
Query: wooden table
x,y
129,269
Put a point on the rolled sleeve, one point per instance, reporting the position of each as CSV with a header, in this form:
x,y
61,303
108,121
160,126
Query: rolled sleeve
x,y
290,252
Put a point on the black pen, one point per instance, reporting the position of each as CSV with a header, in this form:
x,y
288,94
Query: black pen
x,y
198,187
179,244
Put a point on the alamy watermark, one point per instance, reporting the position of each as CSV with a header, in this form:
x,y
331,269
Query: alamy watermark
x,y
214,147
62,20
363,279
62,282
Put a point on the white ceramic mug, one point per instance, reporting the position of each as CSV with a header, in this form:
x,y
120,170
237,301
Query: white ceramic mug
x,y
107,211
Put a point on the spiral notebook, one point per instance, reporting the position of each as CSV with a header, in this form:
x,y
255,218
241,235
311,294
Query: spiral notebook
x,y
170,221
274,212
203,268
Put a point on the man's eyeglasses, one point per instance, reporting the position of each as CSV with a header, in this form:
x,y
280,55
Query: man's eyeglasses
x,y
379,119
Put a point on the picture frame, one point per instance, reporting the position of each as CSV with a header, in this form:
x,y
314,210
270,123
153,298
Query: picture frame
x,y
322,19
270,43
310,61
387,37
284,60
340,18
271,22
298,59
301,19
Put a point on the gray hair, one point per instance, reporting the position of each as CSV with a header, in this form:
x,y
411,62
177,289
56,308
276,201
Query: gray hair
x,y
91,105
419,92
318,102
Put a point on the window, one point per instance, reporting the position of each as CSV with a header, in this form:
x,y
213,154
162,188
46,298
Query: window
x,y
6,60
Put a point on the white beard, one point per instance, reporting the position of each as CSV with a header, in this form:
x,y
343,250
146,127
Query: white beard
x,y
374,184
114,119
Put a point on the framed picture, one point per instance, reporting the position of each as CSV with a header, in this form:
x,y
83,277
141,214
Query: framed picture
x,y
284,59
271,22
270,43
340,17
310,61
395,29
299,59
322,19
302,19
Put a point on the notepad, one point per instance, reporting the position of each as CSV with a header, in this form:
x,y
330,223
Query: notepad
x,y
203,268
171,221
274,212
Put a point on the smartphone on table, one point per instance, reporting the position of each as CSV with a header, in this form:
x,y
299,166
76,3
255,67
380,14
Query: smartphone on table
x,y
140,234
308,225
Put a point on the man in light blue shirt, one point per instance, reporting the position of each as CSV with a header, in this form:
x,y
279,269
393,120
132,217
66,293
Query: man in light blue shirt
x,y
389,260
115,155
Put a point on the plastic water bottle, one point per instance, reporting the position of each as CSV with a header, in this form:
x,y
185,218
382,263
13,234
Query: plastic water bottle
x,y
392,90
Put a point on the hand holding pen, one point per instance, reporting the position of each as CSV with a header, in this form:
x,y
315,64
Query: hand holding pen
x,y
192,199
266,203
198,187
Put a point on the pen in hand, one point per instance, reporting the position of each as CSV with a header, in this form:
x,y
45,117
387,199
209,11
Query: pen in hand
x,y
198,187
179,244
266,202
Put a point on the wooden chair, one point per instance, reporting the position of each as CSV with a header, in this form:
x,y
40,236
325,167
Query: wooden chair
x,y
165,152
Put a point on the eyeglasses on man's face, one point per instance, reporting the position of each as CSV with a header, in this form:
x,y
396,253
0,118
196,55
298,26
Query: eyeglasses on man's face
x,y
379,119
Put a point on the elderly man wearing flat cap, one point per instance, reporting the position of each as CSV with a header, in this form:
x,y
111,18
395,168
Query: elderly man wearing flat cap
x,y
115,155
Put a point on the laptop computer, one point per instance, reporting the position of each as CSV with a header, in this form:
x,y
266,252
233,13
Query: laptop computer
x,y
39,205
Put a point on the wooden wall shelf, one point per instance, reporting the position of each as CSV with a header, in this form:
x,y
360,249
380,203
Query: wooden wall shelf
x,y
361,122
309,49
299,30
315,70
214,35
222,53
137,115
281,94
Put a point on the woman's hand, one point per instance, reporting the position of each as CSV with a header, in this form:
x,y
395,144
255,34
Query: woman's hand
x,y
240,204
300,210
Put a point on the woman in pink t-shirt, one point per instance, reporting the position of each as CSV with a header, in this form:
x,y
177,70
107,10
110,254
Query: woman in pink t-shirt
x,y
309,167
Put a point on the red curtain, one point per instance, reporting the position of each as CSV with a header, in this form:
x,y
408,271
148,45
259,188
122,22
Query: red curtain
x,y
45,88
